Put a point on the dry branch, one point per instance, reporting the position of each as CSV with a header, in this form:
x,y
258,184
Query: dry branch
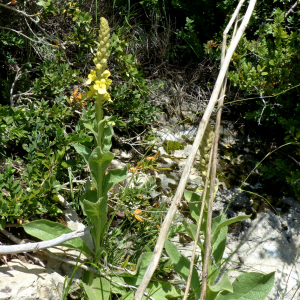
x,y
43,245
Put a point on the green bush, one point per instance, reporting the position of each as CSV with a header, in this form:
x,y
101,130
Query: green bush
x,y
268,66
39,140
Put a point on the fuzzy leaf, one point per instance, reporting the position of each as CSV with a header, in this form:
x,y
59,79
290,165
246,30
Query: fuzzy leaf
x,y
113,177
84,151
99,162
223,285
194,201
107,134
88,125
250,286
97,213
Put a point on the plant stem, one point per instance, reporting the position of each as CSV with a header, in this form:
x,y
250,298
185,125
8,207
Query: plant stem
x,y
100,125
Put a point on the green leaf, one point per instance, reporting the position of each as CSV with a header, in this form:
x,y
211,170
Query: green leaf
x,y
264,73
41,3
219,244
113,177
271,62
162,290
100,289
99,162
107,135
250,286
2,224
46,230
258,68
92,127
84,151
97,213
182,267
191,230
194,201
223,285
226,223
141,267
90,195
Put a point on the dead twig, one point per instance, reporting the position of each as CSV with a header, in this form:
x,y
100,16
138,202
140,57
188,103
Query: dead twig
x,y
41,245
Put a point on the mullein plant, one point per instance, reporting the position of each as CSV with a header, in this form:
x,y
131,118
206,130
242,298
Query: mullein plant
x,y
94,201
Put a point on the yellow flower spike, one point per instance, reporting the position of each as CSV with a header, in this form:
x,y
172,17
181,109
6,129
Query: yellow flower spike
x,y
99,76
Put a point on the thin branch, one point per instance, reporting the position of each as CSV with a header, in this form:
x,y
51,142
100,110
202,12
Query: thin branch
x,y
202,126
263,109
291,9
44,244
18,74
36,22
18,11
22,34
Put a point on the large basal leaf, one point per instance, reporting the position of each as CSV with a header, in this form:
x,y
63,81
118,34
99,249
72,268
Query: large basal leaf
x,y
98,163
84,151
97,213
250,286
182,267
113,177
46,230
100,289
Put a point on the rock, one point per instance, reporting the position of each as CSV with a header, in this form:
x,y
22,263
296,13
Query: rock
x,y
27,282
264,247
166,181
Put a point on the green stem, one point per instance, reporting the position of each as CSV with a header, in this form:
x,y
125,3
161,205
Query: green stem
x,y
100,125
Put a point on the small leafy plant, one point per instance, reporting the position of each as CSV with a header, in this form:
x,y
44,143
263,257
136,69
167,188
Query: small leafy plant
x,y
218,285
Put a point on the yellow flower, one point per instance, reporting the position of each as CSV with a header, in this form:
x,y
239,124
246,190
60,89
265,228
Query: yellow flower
x,y
106,74
107,97
100,86
91,92
91,77
108,83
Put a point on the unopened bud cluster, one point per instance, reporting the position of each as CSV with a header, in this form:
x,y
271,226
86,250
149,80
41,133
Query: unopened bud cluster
x,y
98,78
204,149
